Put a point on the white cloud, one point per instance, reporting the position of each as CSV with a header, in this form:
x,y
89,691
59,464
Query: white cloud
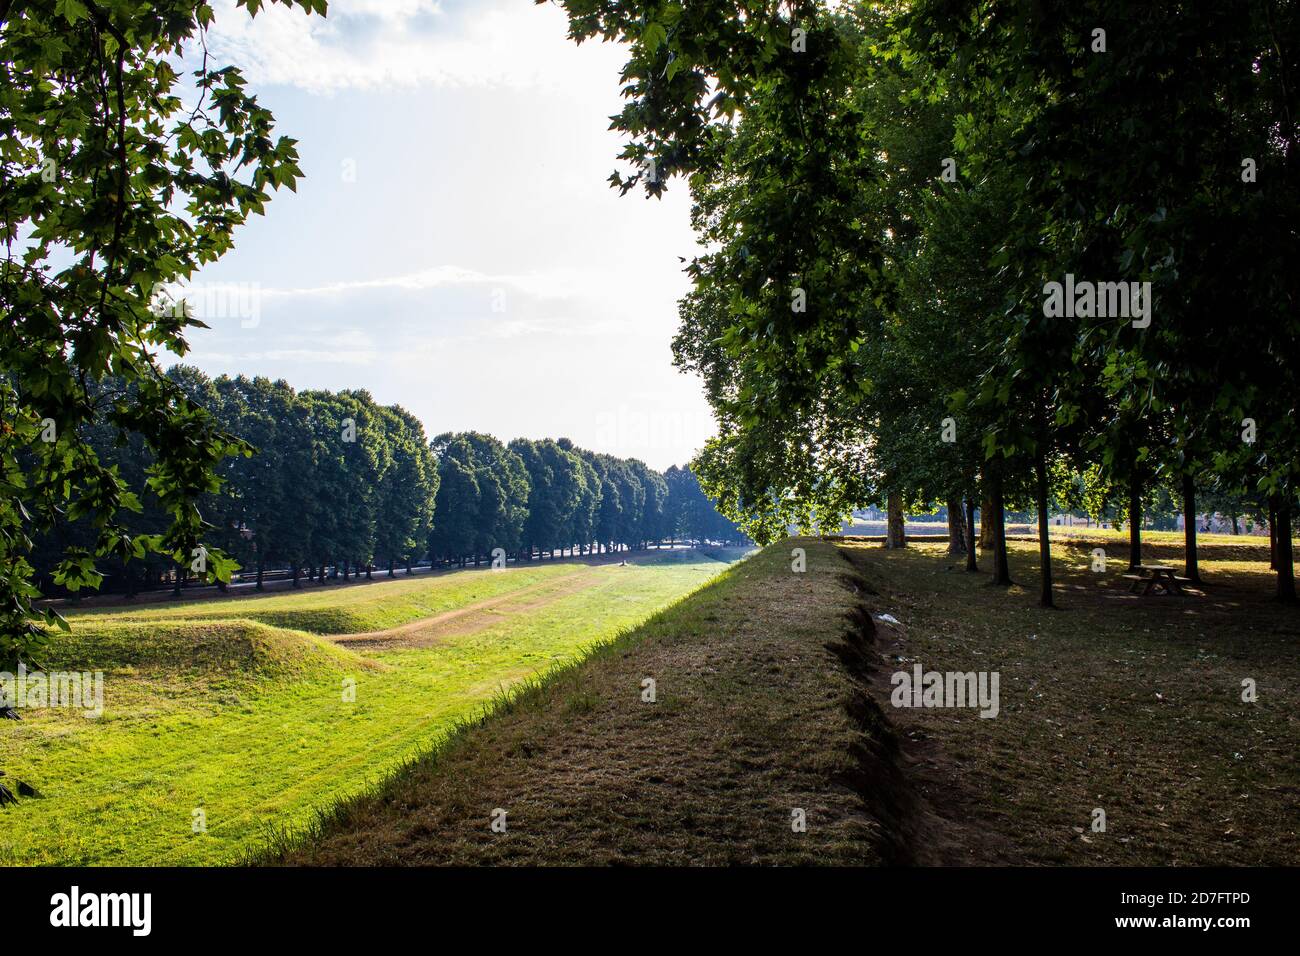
x,y
372,44
398,10
517,328
304,356
424,279
560,283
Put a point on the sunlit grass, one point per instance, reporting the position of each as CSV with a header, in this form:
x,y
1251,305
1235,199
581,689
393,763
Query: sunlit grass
x,y
219,711
349,608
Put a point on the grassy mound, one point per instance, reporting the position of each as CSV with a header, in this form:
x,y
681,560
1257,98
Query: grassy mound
x,y
204,647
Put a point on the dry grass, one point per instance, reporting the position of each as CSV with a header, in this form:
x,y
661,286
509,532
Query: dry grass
x,y
1132,705
750,723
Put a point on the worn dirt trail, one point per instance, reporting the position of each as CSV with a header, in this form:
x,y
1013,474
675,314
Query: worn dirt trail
x,y
428,631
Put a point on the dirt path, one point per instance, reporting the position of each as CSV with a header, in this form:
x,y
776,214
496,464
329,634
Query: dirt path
x,y
428,631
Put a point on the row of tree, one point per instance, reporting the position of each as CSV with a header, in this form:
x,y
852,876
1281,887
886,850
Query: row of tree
x,y
1019,254
333,483
540,497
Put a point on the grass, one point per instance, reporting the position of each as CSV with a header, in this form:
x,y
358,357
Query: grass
x,y
749,724
222,707
1131,705
347,609
774,694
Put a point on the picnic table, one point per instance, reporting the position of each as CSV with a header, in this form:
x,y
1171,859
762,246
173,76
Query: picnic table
x,y
1146,578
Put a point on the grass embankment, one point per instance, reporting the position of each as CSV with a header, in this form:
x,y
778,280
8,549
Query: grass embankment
x,y
1131,705
754,717
223,706
1115,702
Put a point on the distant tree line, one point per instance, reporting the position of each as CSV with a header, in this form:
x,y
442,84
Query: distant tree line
x,y
334,484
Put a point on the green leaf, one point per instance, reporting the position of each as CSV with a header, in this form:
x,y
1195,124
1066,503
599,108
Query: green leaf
x,y
653,37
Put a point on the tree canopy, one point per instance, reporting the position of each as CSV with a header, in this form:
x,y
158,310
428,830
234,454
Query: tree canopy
x,y
117,181
963,250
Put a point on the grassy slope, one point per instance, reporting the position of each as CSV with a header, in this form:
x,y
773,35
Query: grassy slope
x,y
209,706
1128,704
750,722
358,607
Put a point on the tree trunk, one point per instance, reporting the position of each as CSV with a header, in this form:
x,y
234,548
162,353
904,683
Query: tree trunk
x,y
1044,542
1234,525
1285,569
895,535
972,560
370,568
1191,570
296,573
1134,523
1272,534
261,570
1001,567
986,521
956,527
390,568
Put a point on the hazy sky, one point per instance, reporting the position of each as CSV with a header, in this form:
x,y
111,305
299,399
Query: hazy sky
x,y
455,247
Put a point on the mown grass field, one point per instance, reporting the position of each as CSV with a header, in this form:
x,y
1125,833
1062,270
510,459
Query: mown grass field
x,y
236,707
336,609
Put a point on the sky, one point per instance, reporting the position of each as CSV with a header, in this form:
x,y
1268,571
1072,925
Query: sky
x,y
455,247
